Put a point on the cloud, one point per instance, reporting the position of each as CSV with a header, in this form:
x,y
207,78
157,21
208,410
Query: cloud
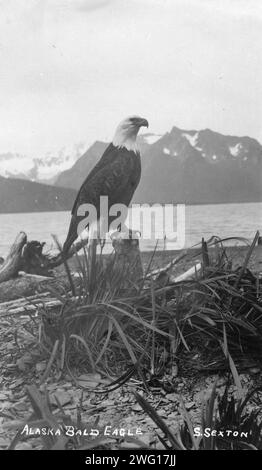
x,y
72,69
92,5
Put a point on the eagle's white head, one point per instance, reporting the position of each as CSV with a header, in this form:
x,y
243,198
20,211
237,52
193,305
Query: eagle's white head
x,y
126,132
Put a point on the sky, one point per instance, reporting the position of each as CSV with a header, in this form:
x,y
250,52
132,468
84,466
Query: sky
x,y
70,70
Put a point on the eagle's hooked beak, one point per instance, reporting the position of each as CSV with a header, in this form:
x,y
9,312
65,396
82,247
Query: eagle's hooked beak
x,y
143,123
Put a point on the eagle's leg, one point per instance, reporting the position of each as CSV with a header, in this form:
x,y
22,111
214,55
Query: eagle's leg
x,y
102,242
101,233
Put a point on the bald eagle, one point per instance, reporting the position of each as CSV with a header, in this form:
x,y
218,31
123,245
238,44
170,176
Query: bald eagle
x,y
116,175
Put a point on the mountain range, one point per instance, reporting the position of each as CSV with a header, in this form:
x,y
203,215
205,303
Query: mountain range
x,y
42,169
192,167
181,166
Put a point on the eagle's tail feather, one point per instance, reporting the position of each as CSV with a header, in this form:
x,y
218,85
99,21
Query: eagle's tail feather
x,y
67,245
71,236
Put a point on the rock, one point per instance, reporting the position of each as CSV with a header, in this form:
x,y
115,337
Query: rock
x,y
17,395
140,418
4,395
189,405
68,385
129,419
86,403
129,445
159,446
4,442
50,387
20,406
147,439
180,385
23,362
125,399
90,377
154,425
40,366
63,397
23,446
16,383
136,407
108,403
5,405
88,384
172,397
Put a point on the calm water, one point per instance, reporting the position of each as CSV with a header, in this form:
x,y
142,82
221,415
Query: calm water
x,y
224,220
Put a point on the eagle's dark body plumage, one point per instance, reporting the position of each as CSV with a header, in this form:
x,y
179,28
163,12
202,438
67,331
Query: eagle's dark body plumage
x,y
116,176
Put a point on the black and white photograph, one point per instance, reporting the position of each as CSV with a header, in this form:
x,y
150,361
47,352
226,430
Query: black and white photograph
x,y
130,228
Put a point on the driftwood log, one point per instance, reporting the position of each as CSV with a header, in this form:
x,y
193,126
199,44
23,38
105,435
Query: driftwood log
x,y
28,256
27,270
29,305
21,286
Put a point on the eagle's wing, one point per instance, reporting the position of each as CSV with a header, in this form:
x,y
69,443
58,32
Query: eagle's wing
x,y
108,157
115,179
110,180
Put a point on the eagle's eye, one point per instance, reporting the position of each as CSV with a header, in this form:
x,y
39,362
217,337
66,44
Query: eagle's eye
x,y
133,121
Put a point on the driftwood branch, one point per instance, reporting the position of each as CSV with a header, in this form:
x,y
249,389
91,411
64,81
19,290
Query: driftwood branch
x,y
189,274
28,306
10,267
30,258
26,285
27,269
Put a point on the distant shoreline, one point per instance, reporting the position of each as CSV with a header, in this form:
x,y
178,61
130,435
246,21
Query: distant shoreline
x,y
150,204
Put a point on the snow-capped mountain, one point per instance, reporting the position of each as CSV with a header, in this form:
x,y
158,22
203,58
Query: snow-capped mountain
x,y
47,168
73,177
43,169
203,166
210,145
187,166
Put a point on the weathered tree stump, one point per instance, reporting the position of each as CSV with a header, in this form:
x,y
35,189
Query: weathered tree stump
x,y
128,262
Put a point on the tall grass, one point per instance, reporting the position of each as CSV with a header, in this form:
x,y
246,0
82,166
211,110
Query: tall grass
x,y
109,327
227,423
